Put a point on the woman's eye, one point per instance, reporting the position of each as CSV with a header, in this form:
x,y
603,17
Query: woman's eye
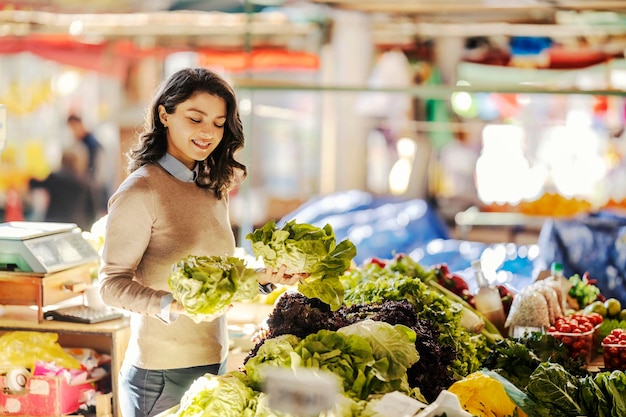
x,y
219,126
194,120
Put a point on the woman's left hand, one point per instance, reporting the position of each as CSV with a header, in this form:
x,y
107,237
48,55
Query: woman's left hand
x,y
278,276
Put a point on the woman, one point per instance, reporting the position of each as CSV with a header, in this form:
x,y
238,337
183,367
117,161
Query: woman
x,y
173,204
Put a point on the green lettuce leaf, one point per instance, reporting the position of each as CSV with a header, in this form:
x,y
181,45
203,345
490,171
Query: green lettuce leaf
x,y
613,385
227,395
348,356
207,285
273,352
304,248
553,387
393,347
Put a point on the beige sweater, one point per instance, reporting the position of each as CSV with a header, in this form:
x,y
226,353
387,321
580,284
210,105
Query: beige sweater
x,y
154,220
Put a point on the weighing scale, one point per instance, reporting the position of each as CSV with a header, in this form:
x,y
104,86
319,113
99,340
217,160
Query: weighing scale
x,y
43,263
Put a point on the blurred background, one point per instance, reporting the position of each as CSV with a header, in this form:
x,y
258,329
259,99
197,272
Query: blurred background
x,y
400,122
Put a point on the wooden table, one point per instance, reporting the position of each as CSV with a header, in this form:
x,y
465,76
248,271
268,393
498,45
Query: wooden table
x,y
110,337
41,290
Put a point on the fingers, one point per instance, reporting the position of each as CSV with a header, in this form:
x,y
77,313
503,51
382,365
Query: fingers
x,y
279,276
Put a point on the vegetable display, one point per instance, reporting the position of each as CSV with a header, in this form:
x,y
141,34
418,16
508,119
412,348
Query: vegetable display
x,y
404,279
298,316
304,248
399,330
207,285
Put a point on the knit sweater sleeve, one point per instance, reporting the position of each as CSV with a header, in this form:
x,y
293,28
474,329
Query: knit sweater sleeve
x,y
130,219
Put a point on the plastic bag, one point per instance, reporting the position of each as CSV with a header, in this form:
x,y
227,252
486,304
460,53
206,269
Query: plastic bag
x,y
482,395
21,349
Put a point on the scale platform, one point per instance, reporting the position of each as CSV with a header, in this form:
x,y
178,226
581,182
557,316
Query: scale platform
x,y
43,263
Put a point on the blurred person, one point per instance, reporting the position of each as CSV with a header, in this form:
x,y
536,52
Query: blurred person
x,y
67,196
96,163
82,135
174,203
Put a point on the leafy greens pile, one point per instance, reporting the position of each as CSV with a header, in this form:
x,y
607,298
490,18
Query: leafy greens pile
x,y
207,285
374,283
304,248
370,357
297,317
550,384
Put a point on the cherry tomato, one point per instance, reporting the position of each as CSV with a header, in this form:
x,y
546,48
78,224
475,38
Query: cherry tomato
x,y
614,350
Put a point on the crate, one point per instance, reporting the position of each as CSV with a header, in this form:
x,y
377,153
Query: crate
x,y
44,396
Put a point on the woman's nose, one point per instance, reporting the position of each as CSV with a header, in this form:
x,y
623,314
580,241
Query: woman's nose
x,y
208,132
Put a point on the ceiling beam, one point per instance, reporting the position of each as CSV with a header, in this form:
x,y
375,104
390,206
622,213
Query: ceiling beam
x,y
443,7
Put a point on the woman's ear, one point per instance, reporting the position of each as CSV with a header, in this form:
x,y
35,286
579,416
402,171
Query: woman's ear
x,y
162,114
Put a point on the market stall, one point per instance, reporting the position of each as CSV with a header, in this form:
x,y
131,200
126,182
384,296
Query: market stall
x,y
417,332
393,324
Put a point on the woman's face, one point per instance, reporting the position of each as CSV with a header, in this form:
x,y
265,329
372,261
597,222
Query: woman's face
x,y
195,128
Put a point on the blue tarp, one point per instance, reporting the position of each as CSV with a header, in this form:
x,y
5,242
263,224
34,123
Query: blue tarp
x,y
515,265
378,226
594,243
383,226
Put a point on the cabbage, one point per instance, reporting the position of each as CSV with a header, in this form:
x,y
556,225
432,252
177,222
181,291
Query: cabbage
x,y
304,248
207,285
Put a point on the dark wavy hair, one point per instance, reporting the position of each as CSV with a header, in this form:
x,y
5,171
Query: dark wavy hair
x,y
219,170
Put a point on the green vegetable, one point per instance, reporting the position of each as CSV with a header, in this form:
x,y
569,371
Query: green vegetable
x,y
554,388
582,290
348,356
207,285
276,351
613,385
393,347
592,398
226,396
304,248
374,284
608,325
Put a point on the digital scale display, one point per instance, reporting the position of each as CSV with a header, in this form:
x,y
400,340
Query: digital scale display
x,y
43,247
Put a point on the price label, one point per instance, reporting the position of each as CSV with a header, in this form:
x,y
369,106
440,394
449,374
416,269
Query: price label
x,y
302,392
396,404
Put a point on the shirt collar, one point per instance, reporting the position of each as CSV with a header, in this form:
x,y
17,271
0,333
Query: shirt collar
x,y
177,168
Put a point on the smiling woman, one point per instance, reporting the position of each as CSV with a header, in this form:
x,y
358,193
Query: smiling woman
x,y
195,128
173,204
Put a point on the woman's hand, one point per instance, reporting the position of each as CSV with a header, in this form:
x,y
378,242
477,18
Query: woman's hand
x,y
269,275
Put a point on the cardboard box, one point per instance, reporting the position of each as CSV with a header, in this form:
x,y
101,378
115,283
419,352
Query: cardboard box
x,y
44,396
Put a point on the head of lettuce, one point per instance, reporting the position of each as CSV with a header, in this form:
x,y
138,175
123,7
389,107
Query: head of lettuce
x,y
207,285
306,249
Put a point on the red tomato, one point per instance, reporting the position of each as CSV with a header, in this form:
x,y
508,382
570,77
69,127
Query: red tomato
x,y
564,328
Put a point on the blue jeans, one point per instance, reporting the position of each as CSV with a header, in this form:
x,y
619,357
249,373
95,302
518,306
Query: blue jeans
x,y
148,392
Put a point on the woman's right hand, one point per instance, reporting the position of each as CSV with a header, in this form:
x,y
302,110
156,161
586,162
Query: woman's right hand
x,y
269,275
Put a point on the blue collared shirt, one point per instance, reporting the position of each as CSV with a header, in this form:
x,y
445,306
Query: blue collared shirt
x,y
178,169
